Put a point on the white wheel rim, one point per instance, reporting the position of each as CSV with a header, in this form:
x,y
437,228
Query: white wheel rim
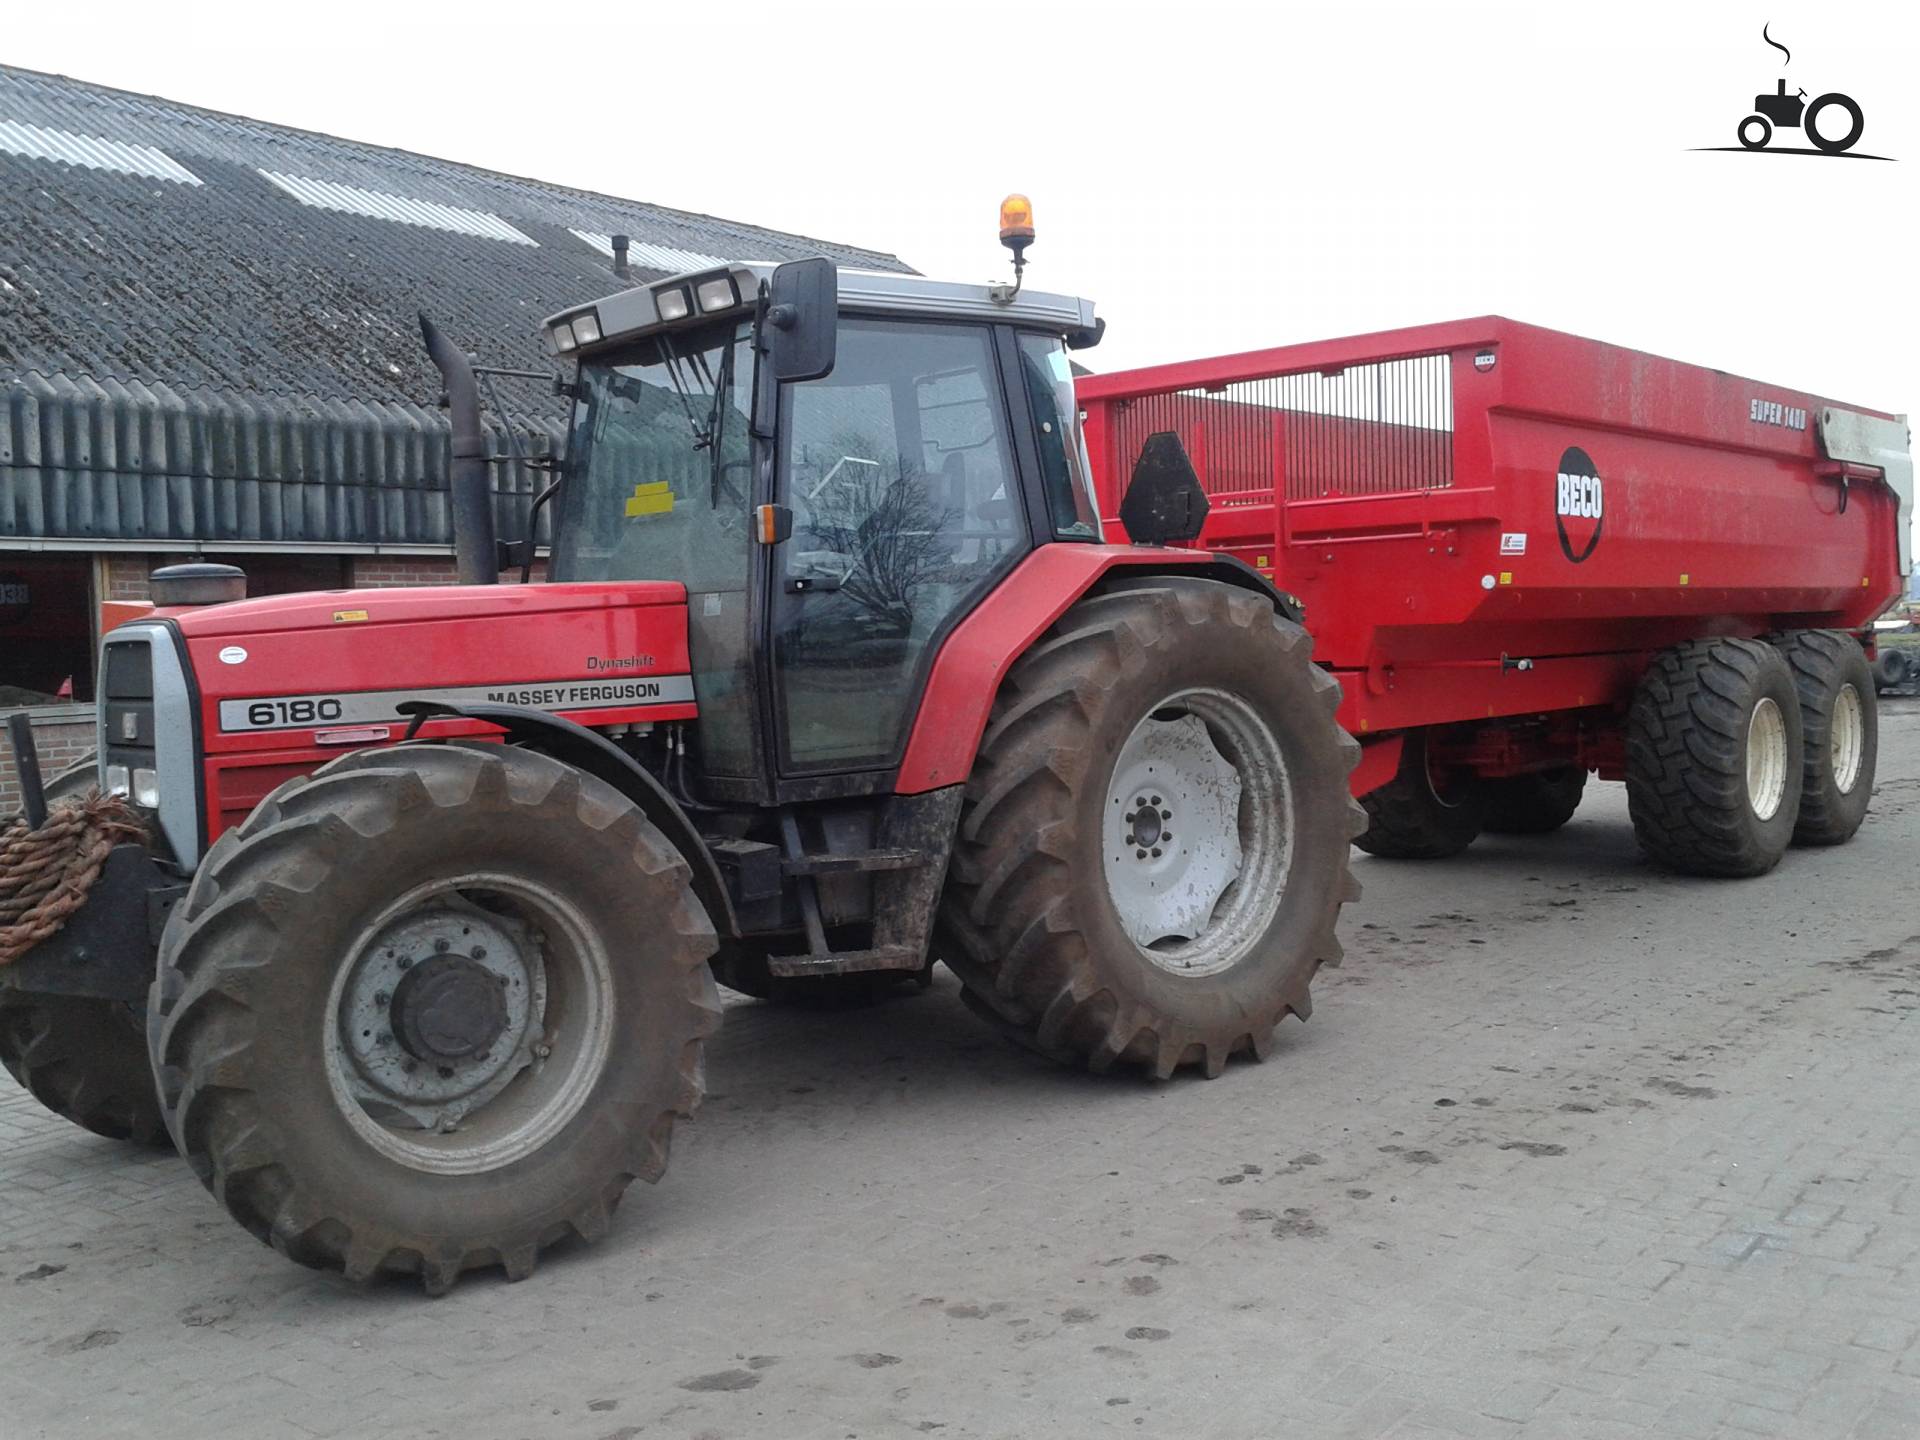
x,y
1849,739
1766,759
1198,832
559,1040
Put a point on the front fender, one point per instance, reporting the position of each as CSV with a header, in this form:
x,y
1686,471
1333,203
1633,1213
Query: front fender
x,y
573,744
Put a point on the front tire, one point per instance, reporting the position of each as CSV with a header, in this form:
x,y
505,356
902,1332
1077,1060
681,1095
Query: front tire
x,y
1714,767
82,1057
1153,849
1840,726
432,1008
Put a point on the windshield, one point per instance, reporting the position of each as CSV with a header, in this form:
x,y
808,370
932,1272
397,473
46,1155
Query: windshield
x,y
658,477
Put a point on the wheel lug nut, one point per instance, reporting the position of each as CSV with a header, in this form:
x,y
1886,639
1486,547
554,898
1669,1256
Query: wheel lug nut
x,y
445,1072
479,952
1166,814
406,962
1139,854
442,946
411,1066
1156,854
381,997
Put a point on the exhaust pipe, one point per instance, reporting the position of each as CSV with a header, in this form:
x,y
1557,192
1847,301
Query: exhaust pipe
x,y
476,554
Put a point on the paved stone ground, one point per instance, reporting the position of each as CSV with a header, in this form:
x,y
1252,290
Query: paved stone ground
x,y
1572,1148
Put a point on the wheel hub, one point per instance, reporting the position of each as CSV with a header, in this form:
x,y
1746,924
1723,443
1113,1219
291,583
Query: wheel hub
x,y
448,1008
439,1012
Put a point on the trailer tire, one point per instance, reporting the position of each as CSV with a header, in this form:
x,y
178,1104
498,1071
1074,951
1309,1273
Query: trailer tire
x,y
1840,726
1534,804
575,1068
1049,916
1409,819
82,1057
1892,670
1714,762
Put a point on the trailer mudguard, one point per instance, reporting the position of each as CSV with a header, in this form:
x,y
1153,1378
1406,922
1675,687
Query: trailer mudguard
x,y
584,749
967,673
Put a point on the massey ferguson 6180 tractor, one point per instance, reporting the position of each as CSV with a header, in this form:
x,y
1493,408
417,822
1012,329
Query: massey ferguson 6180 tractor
x,y
834,675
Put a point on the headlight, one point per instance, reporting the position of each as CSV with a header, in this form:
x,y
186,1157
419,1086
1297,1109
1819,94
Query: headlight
x,y
717,294
586,328
117,783
672,303
562,337
146,789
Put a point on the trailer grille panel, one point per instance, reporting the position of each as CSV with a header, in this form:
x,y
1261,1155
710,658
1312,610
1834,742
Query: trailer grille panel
x,y
1371,429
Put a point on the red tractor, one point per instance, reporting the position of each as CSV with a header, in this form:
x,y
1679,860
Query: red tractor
x,y
834,675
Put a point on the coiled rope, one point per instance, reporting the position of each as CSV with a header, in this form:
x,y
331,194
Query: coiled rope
x,y
45,874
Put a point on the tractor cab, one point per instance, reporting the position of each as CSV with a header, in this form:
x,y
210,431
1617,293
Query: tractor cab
x,y
837,466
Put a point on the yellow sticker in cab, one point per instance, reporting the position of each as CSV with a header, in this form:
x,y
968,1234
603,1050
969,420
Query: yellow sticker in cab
x,y
348,617
654,498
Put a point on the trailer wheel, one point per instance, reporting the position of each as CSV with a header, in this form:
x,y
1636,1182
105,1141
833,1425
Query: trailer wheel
x,y
1892,671
432,1008
1840,724
1714,767
1153,848
1533,804
1418,815
83,1058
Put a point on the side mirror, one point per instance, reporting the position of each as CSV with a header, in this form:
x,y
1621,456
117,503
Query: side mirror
x,y
1164,501
803,320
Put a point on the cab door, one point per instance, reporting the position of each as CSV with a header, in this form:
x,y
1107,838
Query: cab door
x,y
899,469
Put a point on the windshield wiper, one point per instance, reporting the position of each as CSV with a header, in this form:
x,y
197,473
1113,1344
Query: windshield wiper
x,y
708,433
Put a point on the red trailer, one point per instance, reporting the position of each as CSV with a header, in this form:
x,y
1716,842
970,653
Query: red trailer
x,y
1529,556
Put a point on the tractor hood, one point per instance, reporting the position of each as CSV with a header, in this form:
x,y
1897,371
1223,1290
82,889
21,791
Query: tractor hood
x,y
330,609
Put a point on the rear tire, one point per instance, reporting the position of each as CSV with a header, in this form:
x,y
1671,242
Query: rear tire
x,y
1410,818
1535,804
353,1149
83,1058
1840,726
1084,918
1714,758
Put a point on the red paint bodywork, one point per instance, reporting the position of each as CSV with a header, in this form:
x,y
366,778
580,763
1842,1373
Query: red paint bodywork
x,y
982,648
427,638
1714,523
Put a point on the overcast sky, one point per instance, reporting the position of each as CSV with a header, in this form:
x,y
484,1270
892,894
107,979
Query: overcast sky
x,y
1217,176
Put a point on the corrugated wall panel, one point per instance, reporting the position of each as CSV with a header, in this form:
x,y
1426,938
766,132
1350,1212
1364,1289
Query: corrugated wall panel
x,y
83,459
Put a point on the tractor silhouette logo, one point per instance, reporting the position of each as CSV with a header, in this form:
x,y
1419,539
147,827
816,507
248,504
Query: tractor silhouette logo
x,y
1820,120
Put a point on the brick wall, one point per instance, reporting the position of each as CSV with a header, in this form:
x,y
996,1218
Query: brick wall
x,y
62,736
381,572
127,576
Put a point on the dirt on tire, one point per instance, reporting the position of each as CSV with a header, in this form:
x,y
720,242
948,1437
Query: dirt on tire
x,y
1027,920
241,1007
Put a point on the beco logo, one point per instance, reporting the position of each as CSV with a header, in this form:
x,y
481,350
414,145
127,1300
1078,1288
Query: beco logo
x,y
1832,122
1579,504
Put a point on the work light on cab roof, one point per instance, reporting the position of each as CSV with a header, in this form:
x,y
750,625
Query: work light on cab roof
x,y
681,300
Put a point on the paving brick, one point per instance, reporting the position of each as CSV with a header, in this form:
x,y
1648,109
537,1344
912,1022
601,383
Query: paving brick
x,y
1691,1266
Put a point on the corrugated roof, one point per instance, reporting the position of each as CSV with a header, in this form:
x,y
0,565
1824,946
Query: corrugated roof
x,y
252,304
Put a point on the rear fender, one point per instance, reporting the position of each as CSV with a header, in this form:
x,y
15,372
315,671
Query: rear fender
x,y
982,648
575,745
